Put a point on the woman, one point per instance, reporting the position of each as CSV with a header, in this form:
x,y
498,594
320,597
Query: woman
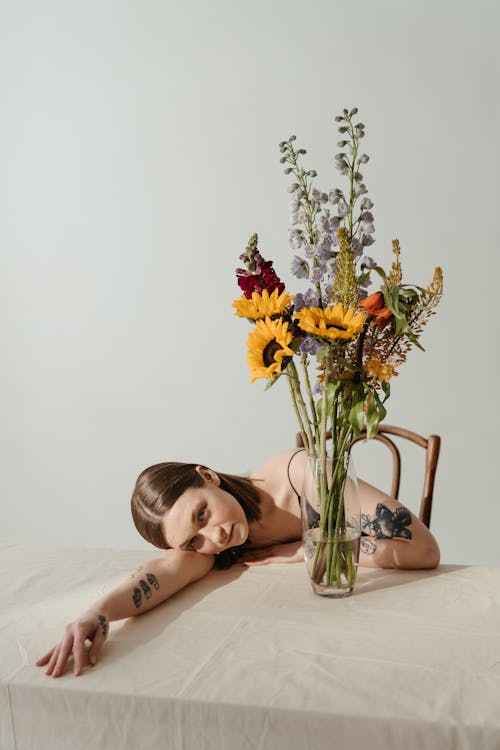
x,y
201,518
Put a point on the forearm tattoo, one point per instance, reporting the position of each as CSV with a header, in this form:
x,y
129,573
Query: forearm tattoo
x,y
153,580
146,590
137,597
139,567
104,624
387,524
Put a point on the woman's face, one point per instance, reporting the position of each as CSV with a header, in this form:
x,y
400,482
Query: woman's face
x,y
206,519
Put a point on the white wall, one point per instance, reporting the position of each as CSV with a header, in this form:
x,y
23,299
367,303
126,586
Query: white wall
x,y
138,151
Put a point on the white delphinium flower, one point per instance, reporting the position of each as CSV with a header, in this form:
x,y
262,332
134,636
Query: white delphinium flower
x,y
295,239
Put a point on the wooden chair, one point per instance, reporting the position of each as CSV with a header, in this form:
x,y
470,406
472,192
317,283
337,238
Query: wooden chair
x,y
432,446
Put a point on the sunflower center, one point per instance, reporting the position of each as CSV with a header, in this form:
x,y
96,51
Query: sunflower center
x,y
336,326
269,352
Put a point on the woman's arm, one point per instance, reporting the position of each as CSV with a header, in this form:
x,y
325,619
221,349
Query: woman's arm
x,y
396,537
152,584
393,536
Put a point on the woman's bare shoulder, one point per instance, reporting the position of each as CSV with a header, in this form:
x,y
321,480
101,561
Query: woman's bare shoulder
x,y
288,463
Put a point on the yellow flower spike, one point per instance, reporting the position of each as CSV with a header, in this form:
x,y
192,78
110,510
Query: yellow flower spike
x,y
345,288
262,305
395,275
334,322
268,346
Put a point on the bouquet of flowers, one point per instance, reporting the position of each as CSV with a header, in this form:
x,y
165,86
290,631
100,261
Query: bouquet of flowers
x,y
356,340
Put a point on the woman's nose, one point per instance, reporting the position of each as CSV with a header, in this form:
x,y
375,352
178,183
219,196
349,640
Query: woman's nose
x,y
216,534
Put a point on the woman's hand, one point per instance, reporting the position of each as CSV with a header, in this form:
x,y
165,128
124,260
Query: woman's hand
x,y
278,553
92,625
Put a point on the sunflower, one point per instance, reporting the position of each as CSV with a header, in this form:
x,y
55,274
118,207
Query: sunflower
x,y
262,305
331,323
267,347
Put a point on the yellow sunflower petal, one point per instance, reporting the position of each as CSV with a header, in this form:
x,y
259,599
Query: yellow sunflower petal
x,y
268,345
332,323
262,305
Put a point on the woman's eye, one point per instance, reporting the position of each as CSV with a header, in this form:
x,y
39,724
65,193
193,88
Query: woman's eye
x,y
192,543
201,514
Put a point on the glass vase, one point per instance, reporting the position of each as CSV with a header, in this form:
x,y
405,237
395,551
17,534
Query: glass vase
x,y
331,524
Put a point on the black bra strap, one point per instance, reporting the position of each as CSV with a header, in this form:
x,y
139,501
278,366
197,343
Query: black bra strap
x,y
288,470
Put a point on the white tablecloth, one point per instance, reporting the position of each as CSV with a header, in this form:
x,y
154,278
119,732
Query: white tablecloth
x,y
252,659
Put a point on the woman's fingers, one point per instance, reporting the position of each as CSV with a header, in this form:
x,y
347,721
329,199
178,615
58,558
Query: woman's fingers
x,y
97,644
87,626
279,553
264,561
44,659
258,554
261,558
251,563
64,652
52,660
78,654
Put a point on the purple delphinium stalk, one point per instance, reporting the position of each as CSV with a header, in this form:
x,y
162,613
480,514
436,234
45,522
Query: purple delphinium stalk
x,y
308,299
300,268
316,215
309,346
295,239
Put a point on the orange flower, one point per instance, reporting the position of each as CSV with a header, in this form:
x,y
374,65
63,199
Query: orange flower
x,y
375,308
377,369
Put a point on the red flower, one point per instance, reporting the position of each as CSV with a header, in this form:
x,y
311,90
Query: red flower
x,y
374,306
264,278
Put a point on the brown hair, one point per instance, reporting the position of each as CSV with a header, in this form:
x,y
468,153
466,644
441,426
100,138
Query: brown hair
x,y
158,487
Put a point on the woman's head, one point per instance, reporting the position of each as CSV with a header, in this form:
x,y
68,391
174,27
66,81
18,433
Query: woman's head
x,y
189,506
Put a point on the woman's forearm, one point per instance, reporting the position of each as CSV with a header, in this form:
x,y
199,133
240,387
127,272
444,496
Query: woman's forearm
x,y
152,584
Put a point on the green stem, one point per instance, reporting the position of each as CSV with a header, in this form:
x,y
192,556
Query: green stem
x,y
352,168
359,353
297,412
312,405
301,407
333,547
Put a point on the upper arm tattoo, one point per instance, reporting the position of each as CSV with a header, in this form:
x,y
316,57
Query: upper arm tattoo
x,y
388,524
367,546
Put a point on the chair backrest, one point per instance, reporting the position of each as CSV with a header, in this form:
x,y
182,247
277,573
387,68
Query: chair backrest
x,y
432,446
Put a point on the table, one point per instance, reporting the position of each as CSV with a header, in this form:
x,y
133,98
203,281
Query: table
x,y
252,659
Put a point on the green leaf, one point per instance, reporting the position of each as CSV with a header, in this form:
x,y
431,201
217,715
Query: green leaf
x,y
331,391
357,418
381,273
357,414
375,413
322,352
270,382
